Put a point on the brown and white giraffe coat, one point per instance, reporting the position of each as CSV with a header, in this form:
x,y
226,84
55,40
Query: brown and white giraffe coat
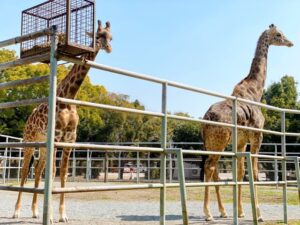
x,y
66,124
217,138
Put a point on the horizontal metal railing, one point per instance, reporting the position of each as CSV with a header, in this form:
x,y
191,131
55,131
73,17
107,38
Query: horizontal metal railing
x,y
25,37
16,83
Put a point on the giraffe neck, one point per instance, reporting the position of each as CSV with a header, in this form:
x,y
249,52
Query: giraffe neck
x,y
69,86
252,86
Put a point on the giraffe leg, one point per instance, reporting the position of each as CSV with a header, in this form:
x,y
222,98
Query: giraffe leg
x,y
255,174
209,169
63,178
28,154
220,203
38,174
241,174
255,146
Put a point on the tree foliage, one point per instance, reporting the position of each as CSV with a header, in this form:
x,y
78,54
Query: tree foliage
x,y
282,94
96,125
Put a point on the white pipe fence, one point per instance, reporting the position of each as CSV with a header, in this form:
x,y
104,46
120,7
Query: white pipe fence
x,y
88,164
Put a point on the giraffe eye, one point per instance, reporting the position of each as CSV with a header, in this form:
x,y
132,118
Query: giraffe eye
x,y
278,35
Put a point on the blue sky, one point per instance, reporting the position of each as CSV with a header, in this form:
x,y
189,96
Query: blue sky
x,y
208,44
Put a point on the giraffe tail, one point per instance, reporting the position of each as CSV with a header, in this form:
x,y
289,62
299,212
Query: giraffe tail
x,y
202,164
30,164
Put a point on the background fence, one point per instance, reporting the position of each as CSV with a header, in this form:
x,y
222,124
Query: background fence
x,y
87,165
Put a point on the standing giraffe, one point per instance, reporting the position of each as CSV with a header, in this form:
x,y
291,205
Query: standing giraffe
x,y
216,138
66,124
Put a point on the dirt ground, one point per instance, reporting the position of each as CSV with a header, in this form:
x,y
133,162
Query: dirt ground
x,y
139,207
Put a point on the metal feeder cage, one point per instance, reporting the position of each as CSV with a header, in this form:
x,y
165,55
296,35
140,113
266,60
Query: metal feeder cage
x,y
74,20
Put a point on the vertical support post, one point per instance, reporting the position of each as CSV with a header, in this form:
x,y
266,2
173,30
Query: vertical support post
x,y
87,169
138,167
4,162
234,162
252,188
74,165
283,167
149,166
181,176
276,166
297,171
106,167
47,210
9,164
170,167
163,156
119,165
19,165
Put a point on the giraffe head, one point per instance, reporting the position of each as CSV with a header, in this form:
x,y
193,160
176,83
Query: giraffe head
x,y
276,37
103,37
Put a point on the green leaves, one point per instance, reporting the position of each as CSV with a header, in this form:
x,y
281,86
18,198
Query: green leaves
x,y
282,94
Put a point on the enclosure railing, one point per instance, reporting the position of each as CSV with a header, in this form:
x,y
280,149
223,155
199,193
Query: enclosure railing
x,y
89,164
163,150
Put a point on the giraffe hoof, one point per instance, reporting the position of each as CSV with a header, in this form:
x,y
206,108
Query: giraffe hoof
x,y
223,215
64,219
260,219
16,215
242,215
35,214
209,218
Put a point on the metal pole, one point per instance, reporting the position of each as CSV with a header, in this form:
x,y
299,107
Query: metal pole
x,y
171,164
252,188
181,176
170,168
234,162
283,167
119,166
149,166
87,169
5,160
19,165
297,170
163,156
47,211
74,165
106,167
138,167
276,166
9,164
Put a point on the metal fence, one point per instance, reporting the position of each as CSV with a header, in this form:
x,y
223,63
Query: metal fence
x,y
87,165
163,150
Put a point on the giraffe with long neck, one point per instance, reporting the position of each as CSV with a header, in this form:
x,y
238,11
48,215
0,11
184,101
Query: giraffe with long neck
x,y
66,124
217,138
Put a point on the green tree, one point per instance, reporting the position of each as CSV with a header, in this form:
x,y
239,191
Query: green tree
x,y
282,94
